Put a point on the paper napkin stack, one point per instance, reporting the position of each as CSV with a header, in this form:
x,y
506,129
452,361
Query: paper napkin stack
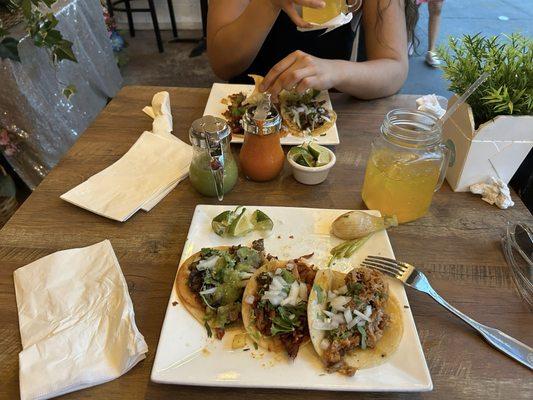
x,y
150,169
76,321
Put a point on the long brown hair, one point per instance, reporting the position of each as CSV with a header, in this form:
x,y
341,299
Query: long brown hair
x,y
411,19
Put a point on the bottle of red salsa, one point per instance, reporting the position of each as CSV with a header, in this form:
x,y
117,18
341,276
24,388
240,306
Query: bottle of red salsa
x,y
261,155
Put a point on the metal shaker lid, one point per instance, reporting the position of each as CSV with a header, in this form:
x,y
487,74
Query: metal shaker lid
x,y
271,124
208,128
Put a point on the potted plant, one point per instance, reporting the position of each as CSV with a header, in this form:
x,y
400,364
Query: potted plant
x,y
40,24
492,133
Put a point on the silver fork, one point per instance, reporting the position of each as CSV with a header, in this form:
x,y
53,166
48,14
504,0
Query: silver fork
x,y
417,280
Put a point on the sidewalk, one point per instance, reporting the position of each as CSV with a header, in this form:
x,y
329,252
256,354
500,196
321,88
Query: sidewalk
x,y
461,17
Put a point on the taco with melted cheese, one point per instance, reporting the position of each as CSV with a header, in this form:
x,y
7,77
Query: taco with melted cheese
x,y
211,282
354,321
274,308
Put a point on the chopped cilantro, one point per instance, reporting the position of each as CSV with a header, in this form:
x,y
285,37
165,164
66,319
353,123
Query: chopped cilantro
x,y
363,336
319,293
208,329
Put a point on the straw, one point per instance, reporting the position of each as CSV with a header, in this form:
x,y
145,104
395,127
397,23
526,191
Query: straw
x,y
464,97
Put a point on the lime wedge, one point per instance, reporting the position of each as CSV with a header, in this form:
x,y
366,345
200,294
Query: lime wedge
x,y
306,160
221,222
240,226
313,149
261,221
320,154
297,151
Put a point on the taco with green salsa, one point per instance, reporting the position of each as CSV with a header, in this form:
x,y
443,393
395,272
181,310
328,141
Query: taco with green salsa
x,y
211,282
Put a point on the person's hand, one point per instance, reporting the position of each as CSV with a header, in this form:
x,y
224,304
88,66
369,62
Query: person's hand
x,y
300,71
289,7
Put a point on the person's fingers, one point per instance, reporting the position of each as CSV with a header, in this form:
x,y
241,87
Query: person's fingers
x,y
290,10
277,70
311,3
290,78
309,82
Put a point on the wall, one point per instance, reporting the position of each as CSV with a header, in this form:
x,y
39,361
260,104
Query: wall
x,y
187,13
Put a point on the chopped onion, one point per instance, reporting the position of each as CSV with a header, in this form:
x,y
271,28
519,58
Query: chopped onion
x,y
337,319
245,275
249,299
292,298
348,316
331,295
342,290
360,314
339,302
278,271
303,291
328,313
368,311
208,291
278,283
207,264
352,323
324,344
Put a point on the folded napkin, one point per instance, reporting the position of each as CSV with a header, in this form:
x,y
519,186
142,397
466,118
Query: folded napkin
x,y
160,112
76,321
332,24
150,167
430,104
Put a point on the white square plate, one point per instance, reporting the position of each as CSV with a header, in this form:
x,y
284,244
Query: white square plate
x,y
220,91
186,356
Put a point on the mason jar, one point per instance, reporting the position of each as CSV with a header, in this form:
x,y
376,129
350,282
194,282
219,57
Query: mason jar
x,y
407,164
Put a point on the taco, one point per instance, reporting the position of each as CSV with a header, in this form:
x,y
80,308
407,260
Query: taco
x,y
354,321
238,103
304,114
274,308
211,282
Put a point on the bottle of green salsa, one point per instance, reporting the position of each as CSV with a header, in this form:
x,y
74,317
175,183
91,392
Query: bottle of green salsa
x,y
213,171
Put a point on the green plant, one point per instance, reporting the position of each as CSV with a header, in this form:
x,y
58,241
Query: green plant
x,y
509,59
41,27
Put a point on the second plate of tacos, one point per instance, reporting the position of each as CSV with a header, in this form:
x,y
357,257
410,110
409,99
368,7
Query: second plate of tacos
x,y
274,308
211,283
355,322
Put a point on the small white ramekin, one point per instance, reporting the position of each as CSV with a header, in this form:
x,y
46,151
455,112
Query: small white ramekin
x,y
312,175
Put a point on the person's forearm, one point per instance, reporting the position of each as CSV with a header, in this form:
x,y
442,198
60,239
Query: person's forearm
x,y
233,47
370,79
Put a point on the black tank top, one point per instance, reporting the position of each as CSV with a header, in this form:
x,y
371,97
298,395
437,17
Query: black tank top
x,y
284,38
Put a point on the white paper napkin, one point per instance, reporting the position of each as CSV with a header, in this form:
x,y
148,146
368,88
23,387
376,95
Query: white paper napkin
x,y
332,24
429,103
149,168
161,114
77,323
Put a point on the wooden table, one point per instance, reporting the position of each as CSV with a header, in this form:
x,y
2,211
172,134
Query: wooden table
x,y
457,244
